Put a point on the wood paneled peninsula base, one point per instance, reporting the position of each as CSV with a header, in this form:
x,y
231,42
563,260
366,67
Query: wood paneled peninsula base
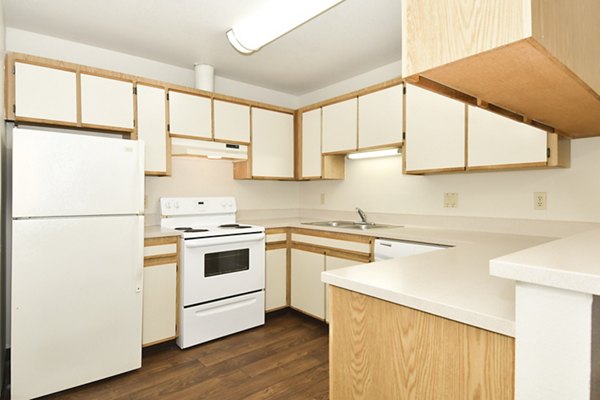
x,y
381,350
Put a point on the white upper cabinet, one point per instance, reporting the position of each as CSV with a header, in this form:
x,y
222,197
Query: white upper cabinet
x,y
495,140
272,144
45,93
190,115
232,121
435,132
340,126
152,128
106,102
380,118
311,144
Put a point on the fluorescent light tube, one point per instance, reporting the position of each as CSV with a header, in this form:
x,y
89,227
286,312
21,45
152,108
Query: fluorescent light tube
x,y
373,154
273,20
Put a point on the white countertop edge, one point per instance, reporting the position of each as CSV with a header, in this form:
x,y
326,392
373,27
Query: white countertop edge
x,y
571,263
498,325
539,275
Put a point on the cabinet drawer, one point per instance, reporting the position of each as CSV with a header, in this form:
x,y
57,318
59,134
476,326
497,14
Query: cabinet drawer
x,y
160,250
335,243
276,237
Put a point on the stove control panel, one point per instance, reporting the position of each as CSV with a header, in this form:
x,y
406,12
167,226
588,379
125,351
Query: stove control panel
x,y
197,205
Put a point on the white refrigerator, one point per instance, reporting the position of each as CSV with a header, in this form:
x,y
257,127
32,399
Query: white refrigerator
x,y
77,259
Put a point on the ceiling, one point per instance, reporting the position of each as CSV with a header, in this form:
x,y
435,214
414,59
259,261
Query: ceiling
x,y
355,36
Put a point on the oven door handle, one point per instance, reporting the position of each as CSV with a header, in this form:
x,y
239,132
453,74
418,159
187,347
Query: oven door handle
x,y
203,242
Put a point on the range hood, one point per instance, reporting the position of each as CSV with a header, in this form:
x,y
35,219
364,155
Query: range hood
x,y
181,147
535,61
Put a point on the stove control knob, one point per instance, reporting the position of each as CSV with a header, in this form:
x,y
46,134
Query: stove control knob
x,y
223,204
176,204
168,205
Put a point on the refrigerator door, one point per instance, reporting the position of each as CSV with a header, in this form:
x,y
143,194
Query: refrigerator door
x,y
61,174
76,301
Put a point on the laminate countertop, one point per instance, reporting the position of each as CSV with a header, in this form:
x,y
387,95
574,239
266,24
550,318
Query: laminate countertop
x,y
571,263
453,283
156,231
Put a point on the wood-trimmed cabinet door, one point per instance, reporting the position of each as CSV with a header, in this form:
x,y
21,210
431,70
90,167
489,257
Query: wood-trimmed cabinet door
x,y
276,279
45,94
190,115
380,118
152,129
311,144
497,141
231,121
308,291
159,318
340,127
332,263
435,132
272,144
106,102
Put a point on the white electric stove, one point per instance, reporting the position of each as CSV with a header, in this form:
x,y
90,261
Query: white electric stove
x,y
222,271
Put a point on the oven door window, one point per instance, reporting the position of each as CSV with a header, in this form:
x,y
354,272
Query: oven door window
x,y
226,262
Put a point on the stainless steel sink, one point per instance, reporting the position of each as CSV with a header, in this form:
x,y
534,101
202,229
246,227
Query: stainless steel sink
x,y
351,225
329,223
368,225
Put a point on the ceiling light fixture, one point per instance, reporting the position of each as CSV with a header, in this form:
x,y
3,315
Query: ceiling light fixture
x,y
373,154
273,20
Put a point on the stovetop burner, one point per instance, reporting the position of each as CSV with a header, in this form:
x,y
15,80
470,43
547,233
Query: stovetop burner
x,y
190,229
234,226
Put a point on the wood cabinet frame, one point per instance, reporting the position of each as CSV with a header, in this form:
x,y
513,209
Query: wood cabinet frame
x,y
359,257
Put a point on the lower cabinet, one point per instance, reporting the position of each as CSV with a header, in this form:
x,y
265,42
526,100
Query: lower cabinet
x,y
159,320
308,292
276,279
313,252
332,263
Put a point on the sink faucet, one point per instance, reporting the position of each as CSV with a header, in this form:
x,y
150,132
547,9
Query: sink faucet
x,y
362,215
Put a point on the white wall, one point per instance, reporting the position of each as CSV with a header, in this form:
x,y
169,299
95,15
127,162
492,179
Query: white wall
x,y
202,177
378,75
378,185
46,46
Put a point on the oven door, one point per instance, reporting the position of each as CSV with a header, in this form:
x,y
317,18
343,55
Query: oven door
x,y
218,267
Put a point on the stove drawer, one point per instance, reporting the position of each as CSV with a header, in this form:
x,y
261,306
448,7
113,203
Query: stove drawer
x,y
213,320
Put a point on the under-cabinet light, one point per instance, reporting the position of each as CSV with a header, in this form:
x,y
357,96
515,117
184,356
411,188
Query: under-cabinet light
x,y
273,20
373,154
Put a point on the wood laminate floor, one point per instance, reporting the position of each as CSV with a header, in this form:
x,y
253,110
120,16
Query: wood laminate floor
x,y
287,358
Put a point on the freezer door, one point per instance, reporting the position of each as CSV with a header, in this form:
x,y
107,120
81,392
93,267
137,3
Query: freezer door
x,y
76,310
59,174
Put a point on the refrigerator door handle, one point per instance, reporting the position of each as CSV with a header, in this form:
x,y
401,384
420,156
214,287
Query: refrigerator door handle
x,y
141,171
139,279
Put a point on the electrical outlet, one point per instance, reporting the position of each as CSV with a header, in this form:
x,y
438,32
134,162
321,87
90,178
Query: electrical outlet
x,y
539,200
451,200
322,199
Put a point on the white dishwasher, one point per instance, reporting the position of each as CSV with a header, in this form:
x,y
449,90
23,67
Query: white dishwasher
x,y
386,249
